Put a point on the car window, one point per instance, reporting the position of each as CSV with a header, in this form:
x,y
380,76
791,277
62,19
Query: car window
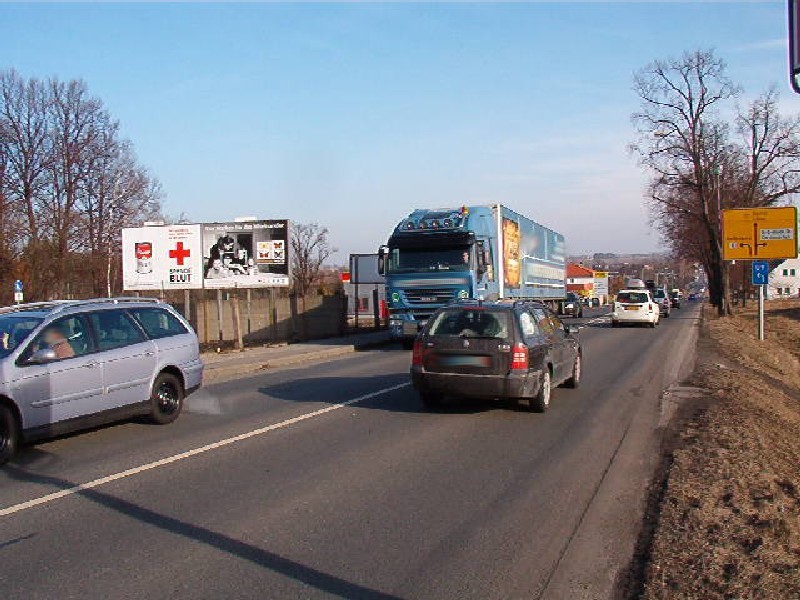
x,y
471,323
14,330
543,321
633,297
115,329
68,337
158,323
528,324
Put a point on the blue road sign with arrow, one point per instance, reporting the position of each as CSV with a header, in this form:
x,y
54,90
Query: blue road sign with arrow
x,y
18,286
760,272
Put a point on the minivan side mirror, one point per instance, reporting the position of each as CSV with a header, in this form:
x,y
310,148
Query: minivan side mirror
x,y
42,356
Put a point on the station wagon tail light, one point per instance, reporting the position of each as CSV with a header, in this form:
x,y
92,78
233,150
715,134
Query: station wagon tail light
x,y
650,307
416,354
519,359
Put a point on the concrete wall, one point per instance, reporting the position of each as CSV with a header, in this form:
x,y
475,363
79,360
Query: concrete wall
x,y
264,318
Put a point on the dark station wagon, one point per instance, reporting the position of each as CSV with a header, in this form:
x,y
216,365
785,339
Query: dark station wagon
x,y
495,350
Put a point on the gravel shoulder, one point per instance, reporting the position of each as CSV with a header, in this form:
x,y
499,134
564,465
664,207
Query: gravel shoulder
x,y
724,520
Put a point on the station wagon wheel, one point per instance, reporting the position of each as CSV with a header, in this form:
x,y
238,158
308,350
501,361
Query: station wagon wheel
x,y
9,434
541,401
166,401
575,380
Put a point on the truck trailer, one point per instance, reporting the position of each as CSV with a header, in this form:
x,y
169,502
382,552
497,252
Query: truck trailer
x,y
435,257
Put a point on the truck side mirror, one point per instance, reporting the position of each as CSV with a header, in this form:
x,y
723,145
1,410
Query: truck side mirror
x,y
382,260
481,258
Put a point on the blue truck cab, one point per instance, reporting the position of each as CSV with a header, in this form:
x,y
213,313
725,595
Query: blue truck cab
x,y
435,257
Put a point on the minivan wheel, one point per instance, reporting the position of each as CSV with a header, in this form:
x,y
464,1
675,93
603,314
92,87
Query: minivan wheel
x,y
575,380
9,434
166,401
541,400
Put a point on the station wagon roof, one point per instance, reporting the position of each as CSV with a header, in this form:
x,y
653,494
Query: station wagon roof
x,y
59,306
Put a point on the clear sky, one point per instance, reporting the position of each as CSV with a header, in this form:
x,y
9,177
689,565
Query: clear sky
x,y
351,115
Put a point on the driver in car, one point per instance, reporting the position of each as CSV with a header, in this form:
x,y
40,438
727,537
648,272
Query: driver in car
x,y
55,339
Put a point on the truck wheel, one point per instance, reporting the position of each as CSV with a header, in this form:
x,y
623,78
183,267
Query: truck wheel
x,y
166,401
9,434
541,401
575,380
431,400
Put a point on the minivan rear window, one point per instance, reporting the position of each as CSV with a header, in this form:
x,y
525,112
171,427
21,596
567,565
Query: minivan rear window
x,y
633,297
471,323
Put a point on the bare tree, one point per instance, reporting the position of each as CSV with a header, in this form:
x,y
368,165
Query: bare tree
x,y
683,142
68,184
310,249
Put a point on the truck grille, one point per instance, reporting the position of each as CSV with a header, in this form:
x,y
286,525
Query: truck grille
x,y
429,296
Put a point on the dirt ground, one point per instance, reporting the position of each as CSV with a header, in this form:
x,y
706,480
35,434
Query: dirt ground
x,y
728,522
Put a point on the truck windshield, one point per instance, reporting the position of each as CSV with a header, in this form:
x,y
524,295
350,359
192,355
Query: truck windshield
x,y
14,329
415,260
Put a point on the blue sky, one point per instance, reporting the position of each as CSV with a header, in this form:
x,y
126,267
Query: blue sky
x,y
351,115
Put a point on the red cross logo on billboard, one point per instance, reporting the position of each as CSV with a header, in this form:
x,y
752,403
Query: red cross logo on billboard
x,y
180,253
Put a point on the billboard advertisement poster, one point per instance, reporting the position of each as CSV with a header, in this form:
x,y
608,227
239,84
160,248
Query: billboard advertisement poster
x,y
511,258
601,283
245,254
162,258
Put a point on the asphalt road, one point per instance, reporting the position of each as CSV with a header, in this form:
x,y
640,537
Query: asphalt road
x,y
331,481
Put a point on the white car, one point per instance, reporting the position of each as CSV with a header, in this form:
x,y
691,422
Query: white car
x,y
635,306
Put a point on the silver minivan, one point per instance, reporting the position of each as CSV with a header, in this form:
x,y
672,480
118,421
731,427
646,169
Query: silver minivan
x,y
69,365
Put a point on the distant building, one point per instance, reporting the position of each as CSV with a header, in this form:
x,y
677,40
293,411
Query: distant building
x,y
784,281
580,279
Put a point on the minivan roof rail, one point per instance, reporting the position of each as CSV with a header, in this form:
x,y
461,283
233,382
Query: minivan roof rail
x,y
61,305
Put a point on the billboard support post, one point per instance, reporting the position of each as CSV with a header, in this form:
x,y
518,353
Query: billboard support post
x,y
219,314
187,305
237,321
248,306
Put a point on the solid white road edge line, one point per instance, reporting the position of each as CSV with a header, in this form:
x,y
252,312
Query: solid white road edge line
x,y
4,512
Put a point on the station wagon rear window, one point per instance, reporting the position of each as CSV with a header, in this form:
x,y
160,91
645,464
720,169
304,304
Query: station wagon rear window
x,y
472,323
633,297
158,323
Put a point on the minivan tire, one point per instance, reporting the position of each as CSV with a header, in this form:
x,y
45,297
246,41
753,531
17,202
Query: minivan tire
x,y
575,380
541,401
9,434
166,400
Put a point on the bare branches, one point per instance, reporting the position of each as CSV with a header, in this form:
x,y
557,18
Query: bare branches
x,y
310,249
68,184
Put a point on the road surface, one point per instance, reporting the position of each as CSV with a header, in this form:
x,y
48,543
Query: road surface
x,y
332,481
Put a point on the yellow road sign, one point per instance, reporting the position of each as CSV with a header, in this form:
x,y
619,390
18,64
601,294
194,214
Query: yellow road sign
x,y
759,233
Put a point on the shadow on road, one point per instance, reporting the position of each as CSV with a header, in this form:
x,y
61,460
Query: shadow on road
x,y
224,543
407,401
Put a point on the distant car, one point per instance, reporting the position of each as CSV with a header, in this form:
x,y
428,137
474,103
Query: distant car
x,y
69,365
675,299
692,297
635,306
664,302
494,350
573,305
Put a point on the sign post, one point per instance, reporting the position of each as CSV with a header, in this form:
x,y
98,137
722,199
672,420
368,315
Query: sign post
x,y
758,234
760,278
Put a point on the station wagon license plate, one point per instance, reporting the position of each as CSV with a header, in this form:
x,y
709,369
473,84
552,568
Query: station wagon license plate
x,y
466,361
631,308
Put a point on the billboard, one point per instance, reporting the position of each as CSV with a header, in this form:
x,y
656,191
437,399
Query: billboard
x,y
601,283
211,255
162,258
246,254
